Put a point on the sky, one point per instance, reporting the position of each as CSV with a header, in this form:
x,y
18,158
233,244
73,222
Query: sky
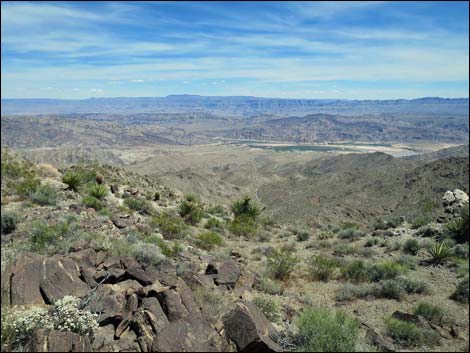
x,y
338,50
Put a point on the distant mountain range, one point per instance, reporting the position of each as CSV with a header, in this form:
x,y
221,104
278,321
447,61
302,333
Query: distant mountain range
x,y
240,106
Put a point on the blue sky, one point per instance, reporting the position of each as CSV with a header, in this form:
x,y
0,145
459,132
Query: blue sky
x,y
352,50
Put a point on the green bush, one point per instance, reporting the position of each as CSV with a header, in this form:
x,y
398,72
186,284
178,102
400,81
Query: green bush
x,y
209,240
350,225
213,223
413,286
386,270
73,181
322,268
302,235
98,191
351,234
393,246
430,312
320,330
269,307
9,222
461,293
140,205
371,242
281,263
420,221
246,207
440,252
343,249
390,289
407,261
92,202
191,209
411,246
409,335
217,210
147,253
356,271
269,286
324,235
45,195
27,186
458,228
170,227
243,226
351,291
45,238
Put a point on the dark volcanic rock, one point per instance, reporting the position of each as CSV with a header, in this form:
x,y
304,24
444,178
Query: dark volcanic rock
x,y
249,329
56,341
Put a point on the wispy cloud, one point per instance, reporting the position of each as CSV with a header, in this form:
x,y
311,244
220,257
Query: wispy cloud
x,y
259,48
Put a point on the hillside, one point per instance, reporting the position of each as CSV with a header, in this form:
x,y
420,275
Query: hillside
x,y
107,260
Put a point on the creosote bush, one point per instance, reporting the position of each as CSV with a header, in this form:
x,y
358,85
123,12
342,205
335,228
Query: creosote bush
x,y
191,209
9,222
356,271
209,240
320,330
269,307
411,246
170,227
430,312
409,335
281,263
461,293
138,204
322,268
45,195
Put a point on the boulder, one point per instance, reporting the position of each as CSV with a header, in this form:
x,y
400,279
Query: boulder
x,y
178,302
108,302
154,314
384,344
249,329
226,273
121,222
57,341
145,275
415,319
191,335
60,277
20,280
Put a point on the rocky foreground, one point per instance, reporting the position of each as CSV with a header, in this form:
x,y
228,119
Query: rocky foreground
x,y
99,273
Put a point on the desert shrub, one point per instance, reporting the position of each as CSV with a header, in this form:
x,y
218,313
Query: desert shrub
x,y
168,248
461,251
19,323
191,209
246,207
366,252
371,242
147,253
322,268
92,202
45,195
381,224
302,235
407,261
27,186
212,303
209,240
14,168
409,335
343,249
391,246
430,312
440,252
351,234
320,330
213,223
351,291
9,221
458,228
389,289
350,225
269,307
281,263
140,205
355,271
217,210
243,226
98,191
461,293
44,238
413,286
411,246
420,221
386,270
170,227
325,235
73,180
269,286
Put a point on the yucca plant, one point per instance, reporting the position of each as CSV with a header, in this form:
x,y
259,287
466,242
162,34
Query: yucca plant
x,y
98,190
73,181
246,208
440,252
